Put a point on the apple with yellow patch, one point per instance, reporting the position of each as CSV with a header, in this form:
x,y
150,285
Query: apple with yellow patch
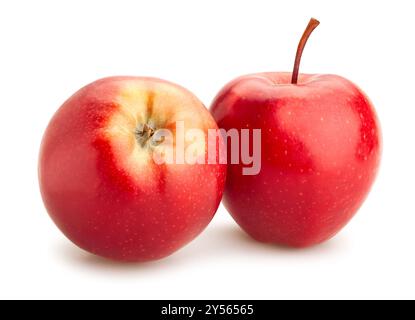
x,y
101,182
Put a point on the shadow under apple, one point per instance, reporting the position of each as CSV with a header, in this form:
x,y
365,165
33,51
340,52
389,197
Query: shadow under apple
x,y
220,241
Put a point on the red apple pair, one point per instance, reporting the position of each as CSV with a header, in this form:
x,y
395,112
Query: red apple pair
x,y
320,142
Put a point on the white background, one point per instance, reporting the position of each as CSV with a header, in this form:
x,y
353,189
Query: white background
x,y
49,49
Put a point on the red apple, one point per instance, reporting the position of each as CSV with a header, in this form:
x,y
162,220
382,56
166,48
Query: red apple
x,y
100,183
321,148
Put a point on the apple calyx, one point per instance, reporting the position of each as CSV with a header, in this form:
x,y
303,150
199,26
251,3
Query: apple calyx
x,y
145,132
313,24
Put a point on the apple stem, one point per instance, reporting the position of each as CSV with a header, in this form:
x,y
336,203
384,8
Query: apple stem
x,y
308,31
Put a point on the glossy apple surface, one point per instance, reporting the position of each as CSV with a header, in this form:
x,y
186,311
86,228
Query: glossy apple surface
x,y
100,183
321,148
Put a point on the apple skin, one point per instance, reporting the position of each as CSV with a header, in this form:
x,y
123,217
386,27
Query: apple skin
x,y
103,191
321,149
